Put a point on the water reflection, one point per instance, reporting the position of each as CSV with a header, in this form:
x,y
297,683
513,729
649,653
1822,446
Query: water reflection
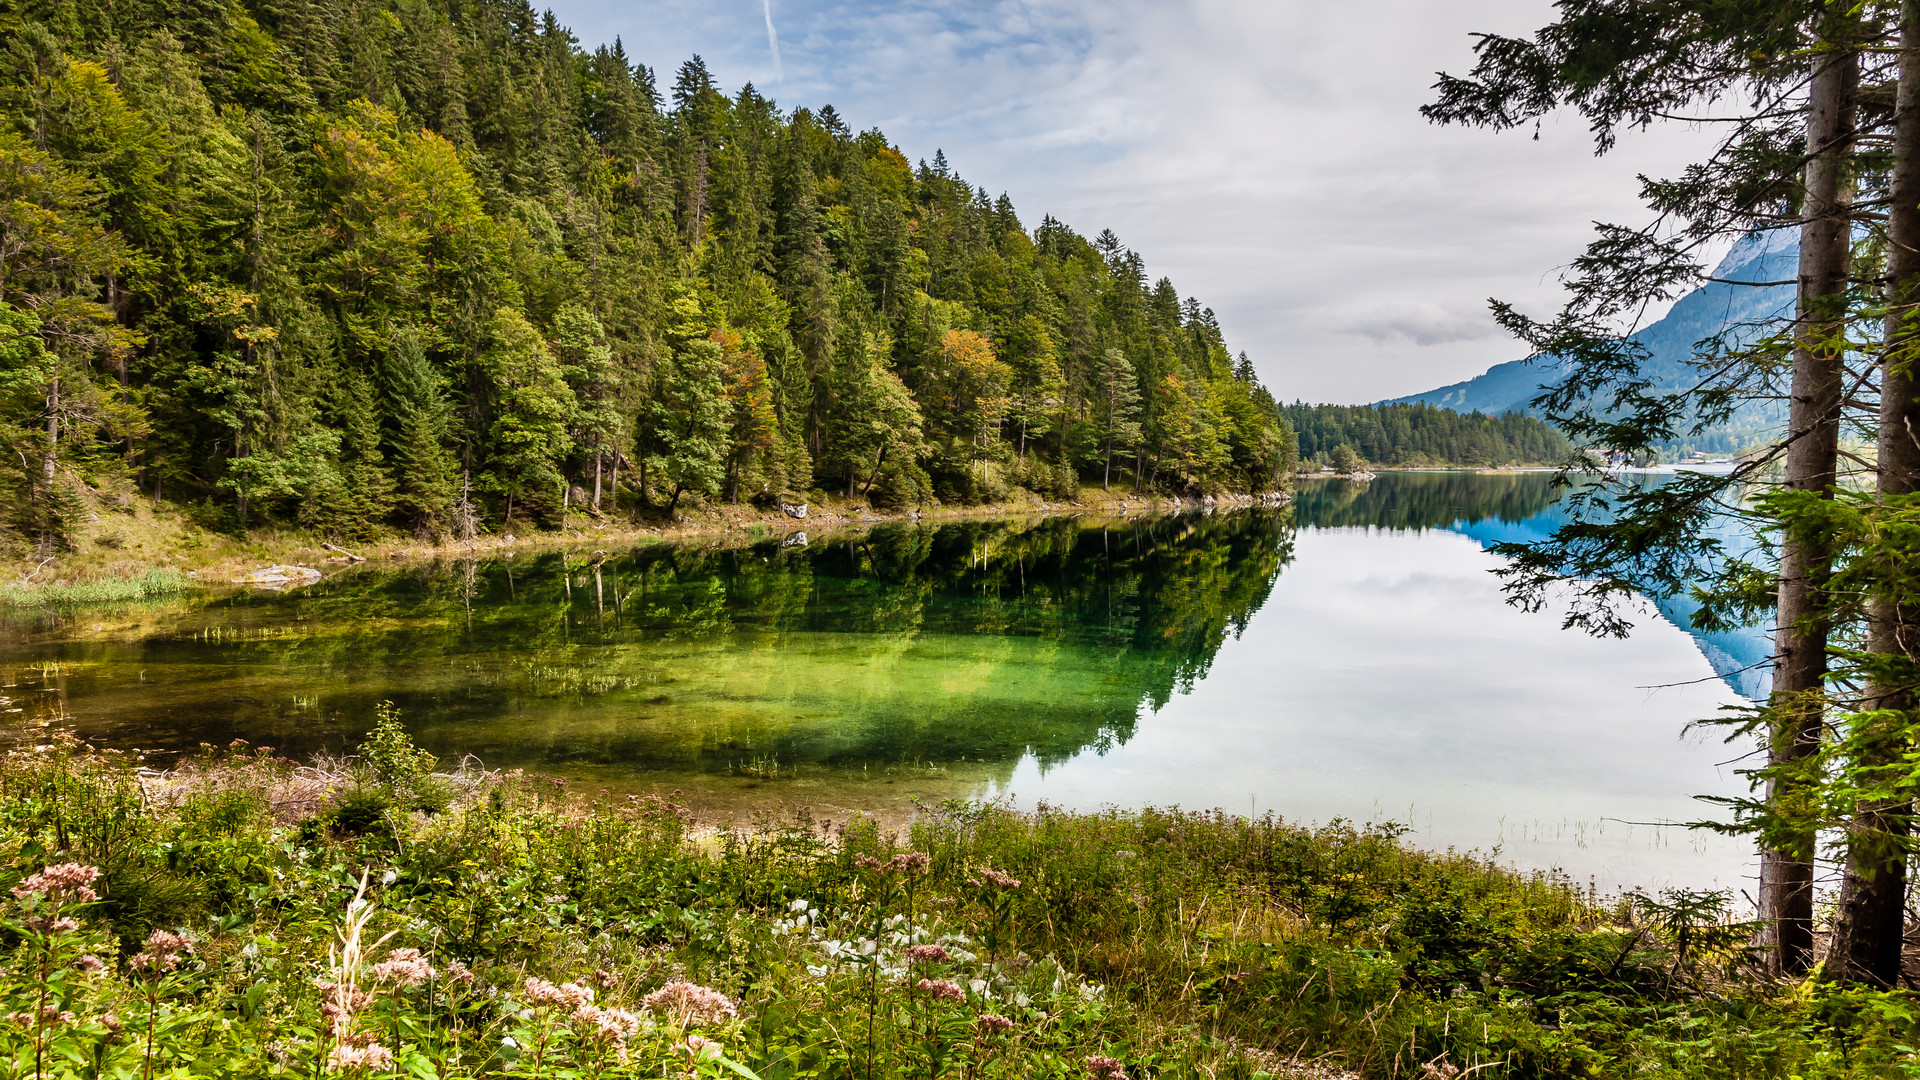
x,y
970,643
1348,656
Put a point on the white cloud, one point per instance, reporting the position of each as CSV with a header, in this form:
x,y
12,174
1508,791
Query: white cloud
x,y
1266,154
1418,322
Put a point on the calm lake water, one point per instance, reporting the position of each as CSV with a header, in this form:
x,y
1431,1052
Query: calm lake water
x,y
1349,656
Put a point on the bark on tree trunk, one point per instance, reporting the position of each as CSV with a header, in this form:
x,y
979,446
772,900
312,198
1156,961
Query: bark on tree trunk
x,y
1800,642
598,460
1869,917
50,460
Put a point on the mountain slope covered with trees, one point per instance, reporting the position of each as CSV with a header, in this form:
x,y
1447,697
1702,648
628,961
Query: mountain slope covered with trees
x,y
359,265
1419,434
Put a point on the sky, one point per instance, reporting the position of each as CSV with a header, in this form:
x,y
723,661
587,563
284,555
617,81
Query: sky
x,y
1267,155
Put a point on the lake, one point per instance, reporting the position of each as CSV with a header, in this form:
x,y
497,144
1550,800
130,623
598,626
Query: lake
x,y
1349,656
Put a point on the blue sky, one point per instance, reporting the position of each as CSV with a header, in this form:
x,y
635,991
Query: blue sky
x,y
1268,156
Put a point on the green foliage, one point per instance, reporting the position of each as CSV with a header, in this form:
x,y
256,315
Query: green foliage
x,y
427,269
1403,435
517,934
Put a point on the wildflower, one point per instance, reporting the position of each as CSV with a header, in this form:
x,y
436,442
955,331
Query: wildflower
x,y
162,954
90,964
612,1027
690,1003
927,954
403,968
1104,1068
47,1016
942,990
338,1006
605,979
346,1057
911,863
1439,1070
567,995
993,1024
999,880
458,973
66,882
112,1022
697,1048
51,924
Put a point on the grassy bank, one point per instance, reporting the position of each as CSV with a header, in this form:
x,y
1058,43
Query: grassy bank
x,y
132,550
369,917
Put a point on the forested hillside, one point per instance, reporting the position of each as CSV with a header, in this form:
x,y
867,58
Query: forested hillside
x,y
1422,435
361,265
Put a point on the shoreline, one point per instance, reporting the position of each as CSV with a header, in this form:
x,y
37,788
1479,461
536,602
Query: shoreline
x,y
172,555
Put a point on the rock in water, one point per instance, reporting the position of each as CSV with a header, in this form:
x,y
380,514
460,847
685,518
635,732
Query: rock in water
x,y
795,510
795,539
281,577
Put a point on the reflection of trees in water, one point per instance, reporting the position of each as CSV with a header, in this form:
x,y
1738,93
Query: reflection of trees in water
x,y
1423,500
979,641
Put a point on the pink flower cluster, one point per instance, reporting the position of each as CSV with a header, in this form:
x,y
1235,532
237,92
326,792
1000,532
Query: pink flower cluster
x,y
48,1016
339,1004
690,1003
404,968
65,883
942,990
927,954
570,996
610,1027
1104,1068
993,1024
347,1057
697,1048
999,880
162,954
910,863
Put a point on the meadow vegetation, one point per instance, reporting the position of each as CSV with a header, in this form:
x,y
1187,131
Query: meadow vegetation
x,y
242,915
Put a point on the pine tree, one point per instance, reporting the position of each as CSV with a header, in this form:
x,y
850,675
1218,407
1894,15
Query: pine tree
x,y
1116,409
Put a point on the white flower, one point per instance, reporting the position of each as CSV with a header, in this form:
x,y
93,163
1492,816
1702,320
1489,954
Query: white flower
x,y
798,907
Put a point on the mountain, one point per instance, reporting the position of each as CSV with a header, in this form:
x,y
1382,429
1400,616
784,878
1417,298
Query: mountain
x,y
1700,314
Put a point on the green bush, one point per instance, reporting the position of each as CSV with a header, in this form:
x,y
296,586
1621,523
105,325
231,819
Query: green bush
x,y
518,934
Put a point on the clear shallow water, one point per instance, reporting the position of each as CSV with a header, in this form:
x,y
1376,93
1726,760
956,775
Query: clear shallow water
x,y
1349,656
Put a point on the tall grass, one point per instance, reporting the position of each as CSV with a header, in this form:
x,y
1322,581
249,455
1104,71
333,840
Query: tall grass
x,y
152,583
261,919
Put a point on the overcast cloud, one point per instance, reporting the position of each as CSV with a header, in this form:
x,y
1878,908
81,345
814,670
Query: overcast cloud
x,y
1267,155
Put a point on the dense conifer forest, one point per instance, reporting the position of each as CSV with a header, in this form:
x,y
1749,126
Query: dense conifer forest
x,y
440,268
1422,435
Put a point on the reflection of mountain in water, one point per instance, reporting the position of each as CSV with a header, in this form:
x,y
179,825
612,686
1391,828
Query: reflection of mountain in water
x,y
1511,508
973,642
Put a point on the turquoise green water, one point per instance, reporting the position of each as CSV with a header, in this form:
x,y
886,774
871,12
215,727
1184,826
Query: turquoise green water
x,y
1348,656
906,651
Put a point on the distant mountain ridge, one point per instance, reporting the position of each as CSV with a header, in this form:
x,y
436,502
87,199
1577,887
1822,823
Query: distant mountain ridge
x,y
1702,313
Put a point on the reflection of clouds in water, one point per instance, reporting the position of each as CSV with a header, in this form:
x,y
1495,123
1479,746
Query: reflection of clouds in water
x,y
1386,670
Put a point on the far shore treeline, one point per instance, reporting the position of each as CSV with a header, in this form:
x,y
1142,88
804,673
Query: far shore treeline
x,y
1420,434
356,266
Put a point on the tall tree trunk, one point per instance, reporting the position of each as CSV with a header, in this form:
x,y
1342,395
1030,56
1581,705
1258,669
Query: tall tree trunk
x,y
1800,642
613,485
50,458
598,460
1869,918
